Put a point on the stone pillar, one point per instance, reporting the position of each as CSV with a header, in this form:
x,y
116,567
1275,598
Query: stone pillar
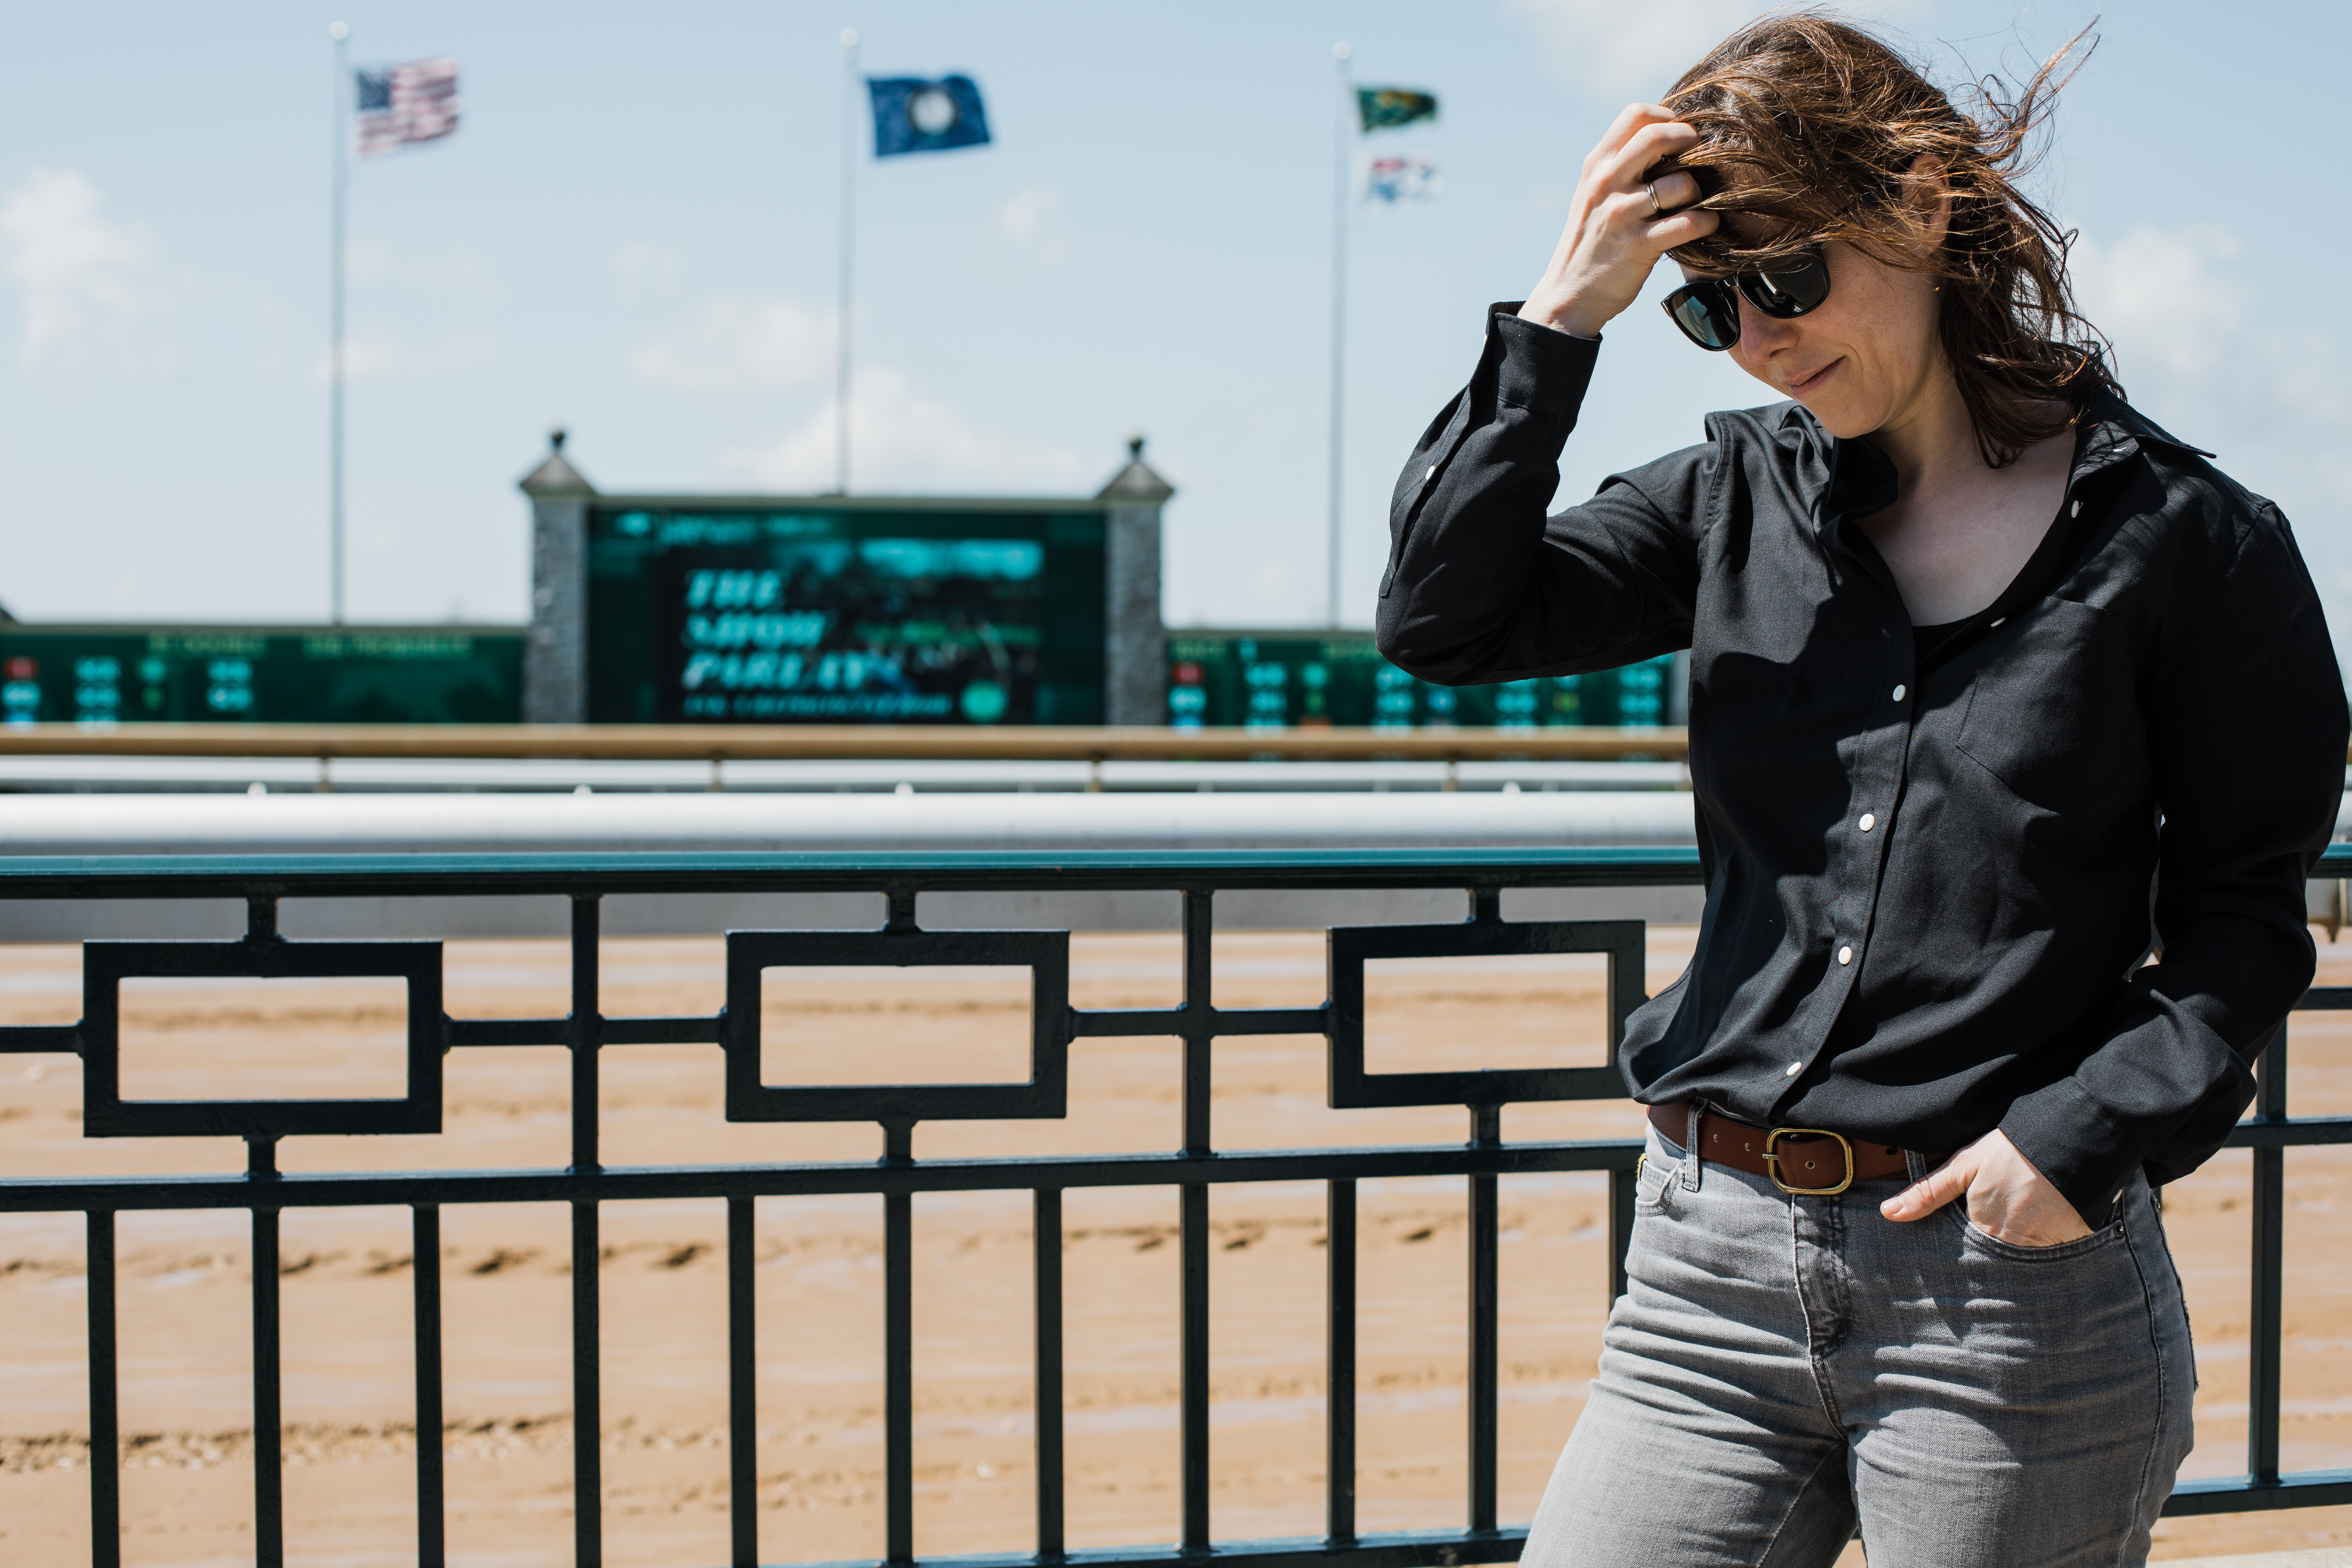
x,y
1135,643
555,656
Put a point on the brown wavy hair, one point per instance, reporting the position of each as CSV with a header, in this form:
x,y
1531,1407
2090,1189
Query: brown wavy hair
x,y
1813,124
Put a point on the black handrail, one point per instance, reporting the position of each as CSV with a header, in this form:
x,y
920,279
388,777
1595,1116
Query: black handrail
x,y
586,1183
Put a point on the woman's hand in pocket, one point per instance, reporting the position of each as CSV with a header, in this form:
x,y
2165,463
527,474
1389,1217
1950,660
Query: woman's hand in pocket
x,y
2008,1199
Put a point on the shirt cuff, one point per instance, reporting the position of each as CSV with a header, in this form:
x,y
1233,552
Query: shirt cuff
x,y
1540,368
2078,1149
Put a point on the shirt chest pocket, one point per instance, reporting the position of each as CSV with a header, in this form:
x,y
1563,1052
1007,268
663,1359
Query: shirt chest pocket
x,y
2054,711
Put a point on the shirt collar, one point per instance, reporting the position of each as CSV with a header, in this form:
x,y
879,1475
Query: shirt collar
x,y
2114,430
1862,478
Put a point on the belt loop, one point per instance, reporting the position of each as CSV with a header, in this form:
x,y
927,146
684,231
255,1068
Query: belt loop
x,y
1690,1144
1916,1163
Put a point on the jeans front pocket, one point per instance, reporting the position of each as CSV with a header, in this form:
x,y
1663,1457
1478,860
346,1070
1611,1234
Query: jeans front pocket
x,y
1662,1169
1974,1235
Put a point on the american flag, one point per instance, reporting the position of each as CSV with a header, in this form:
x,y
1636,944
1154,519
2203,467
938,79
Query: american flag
x,y
401,105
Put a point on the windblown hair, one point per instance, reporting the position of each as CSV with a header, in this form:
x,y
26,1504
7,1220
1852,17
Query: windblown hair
x,y
1814,125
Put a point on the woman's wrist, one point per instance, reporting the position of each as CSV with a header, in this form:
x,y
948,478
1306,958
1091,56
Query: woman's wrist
x,y
1563,314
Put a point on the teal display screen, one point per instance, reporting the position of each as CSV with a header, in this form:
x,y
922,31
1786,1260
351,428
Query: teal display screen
x,y
283,675
1277,680
766,617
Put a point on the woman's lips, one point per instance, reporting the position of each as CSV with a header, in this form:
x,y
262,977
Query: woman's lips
x,y
1813,382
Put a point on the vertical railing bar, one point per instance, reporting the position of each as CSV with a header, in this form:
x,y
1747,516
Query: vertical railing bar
x,y
1192,1225
431,1511
898,1354
583,1031
1199,1013
105,1418
1047,1234
1192,1233
584,1038
1485,1246
1623,1190
742,1388
587,1390
1340,1363
269,1419
2268,1240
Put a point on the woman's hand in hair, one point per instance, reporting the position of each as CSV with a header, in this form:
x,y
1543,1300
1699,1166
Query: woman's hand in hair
x,y
2008,1199
1612,240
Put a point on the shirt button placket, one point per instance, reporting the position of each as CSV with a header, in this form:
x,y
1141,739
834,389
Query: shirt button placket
x,y
1867,822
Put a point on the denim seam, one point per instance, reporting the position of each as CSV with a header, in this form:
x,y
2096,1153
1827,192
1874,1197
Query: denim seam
x,y
1836,1455
1816,1351
2163,1393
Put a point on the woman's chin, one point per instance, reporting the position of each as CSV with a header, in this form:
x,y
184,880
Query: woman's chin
x,y
1843,417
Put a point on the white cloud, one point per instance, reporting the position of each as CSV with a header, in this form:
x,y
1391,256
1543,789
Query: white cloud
x,y
97,298
905,438
381,356
2201,361
644,265
2163,298
1635,48
739,344
1031,218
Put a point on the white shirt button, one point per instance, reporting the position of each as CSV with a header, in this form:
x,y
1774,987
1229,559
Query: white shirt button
x,y
1794,1068
2076,510
1845,955
1899,691
1431,475
1867,822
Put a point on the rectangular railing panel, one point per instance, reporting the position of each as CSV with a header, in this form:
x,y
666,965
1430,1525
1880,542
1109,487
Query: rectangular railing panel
x,y
897,1178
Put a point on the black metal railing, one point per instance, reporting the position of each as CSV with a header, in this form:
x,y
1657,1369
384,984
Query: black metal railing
x,y
586,1183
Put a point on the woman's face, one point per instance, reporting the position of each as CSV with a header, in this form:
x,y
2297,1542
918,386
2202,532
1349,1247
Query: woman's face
x,y
1863,360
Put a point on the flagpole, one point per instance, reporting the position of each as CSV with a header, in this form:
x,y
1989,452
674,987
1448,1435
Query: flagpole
x,y
1341,168
848,252
341,131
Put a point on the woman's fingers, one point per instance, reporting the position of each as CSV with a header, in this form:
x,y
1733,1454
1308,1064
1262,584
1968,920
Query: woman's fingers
x,y
1615,231
1931,1192
1630,122
1675,190
1682,228
1629,164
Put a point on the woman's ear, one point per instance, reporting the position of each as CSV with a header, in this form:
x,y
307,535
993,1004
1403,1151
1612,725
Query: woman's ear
x,y
1927,198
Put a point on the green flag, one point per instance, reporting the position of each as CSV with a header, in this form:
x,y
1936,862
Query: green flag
x,y
1386,108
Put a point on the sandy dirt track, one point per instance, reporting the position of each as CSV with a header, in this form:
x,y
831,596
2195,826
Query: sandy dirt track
x,y
350,1439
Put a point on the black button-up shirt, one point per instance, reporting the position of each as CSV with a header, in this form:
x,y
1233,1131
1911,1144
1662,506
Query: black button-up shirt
x,y
1933,874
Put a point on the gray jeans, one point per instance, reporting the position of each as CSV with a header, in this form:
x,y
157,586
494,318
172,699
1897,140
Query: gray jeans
x,y
1781,1366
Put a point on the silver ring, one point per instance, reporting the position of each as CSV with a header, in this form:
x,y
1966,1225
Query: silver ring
x,y
1652,186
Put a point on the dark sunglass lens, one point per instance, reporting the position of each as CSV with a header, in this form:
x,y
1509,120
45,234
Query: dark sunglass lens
x,y
1789,289
1707,313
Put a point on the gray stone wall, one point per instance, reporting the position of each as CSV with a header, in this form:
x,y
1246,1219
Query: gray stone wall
x,y
555,659
1135,652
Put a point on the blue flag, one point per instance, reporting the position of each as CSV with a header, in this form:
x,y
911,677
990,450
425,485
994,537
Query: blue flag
x,y
911,115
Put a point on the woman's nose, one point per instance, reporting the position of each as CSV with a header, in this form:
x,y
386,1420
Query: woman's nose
x,y
1764,332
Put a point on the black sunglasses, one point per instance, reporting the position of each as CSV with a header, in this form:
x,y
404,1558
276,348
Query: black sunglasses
x,y
1708,311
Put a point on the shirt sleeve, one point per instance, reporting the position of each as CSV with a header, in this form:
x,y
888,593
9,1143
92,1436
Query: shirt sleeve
x,y
1481,585
2247,727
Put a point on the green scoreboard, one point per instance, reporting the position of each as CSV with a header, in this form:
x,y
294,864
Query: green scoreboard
x,y
1281,680
767,613
306,675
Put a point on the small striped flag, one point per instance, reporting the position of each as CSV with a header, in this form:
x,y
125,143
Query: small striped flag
x,y
1406,179
404,105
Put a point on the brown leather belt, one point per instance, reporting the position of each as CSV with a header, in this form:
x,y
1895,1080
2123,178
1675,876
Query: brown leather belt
x,y
1797,1159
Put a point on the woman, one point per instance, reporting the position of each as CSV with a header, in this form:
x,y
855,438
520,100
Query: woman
x,y
2014,731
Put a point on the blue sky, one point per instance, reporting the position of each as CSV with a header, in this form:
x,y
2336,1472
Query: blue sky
x,y
635,234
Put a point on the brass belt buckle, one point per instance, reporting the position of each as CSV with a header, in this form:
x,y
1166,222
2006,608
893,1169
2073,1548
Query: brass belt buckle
x,y
1772,1160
